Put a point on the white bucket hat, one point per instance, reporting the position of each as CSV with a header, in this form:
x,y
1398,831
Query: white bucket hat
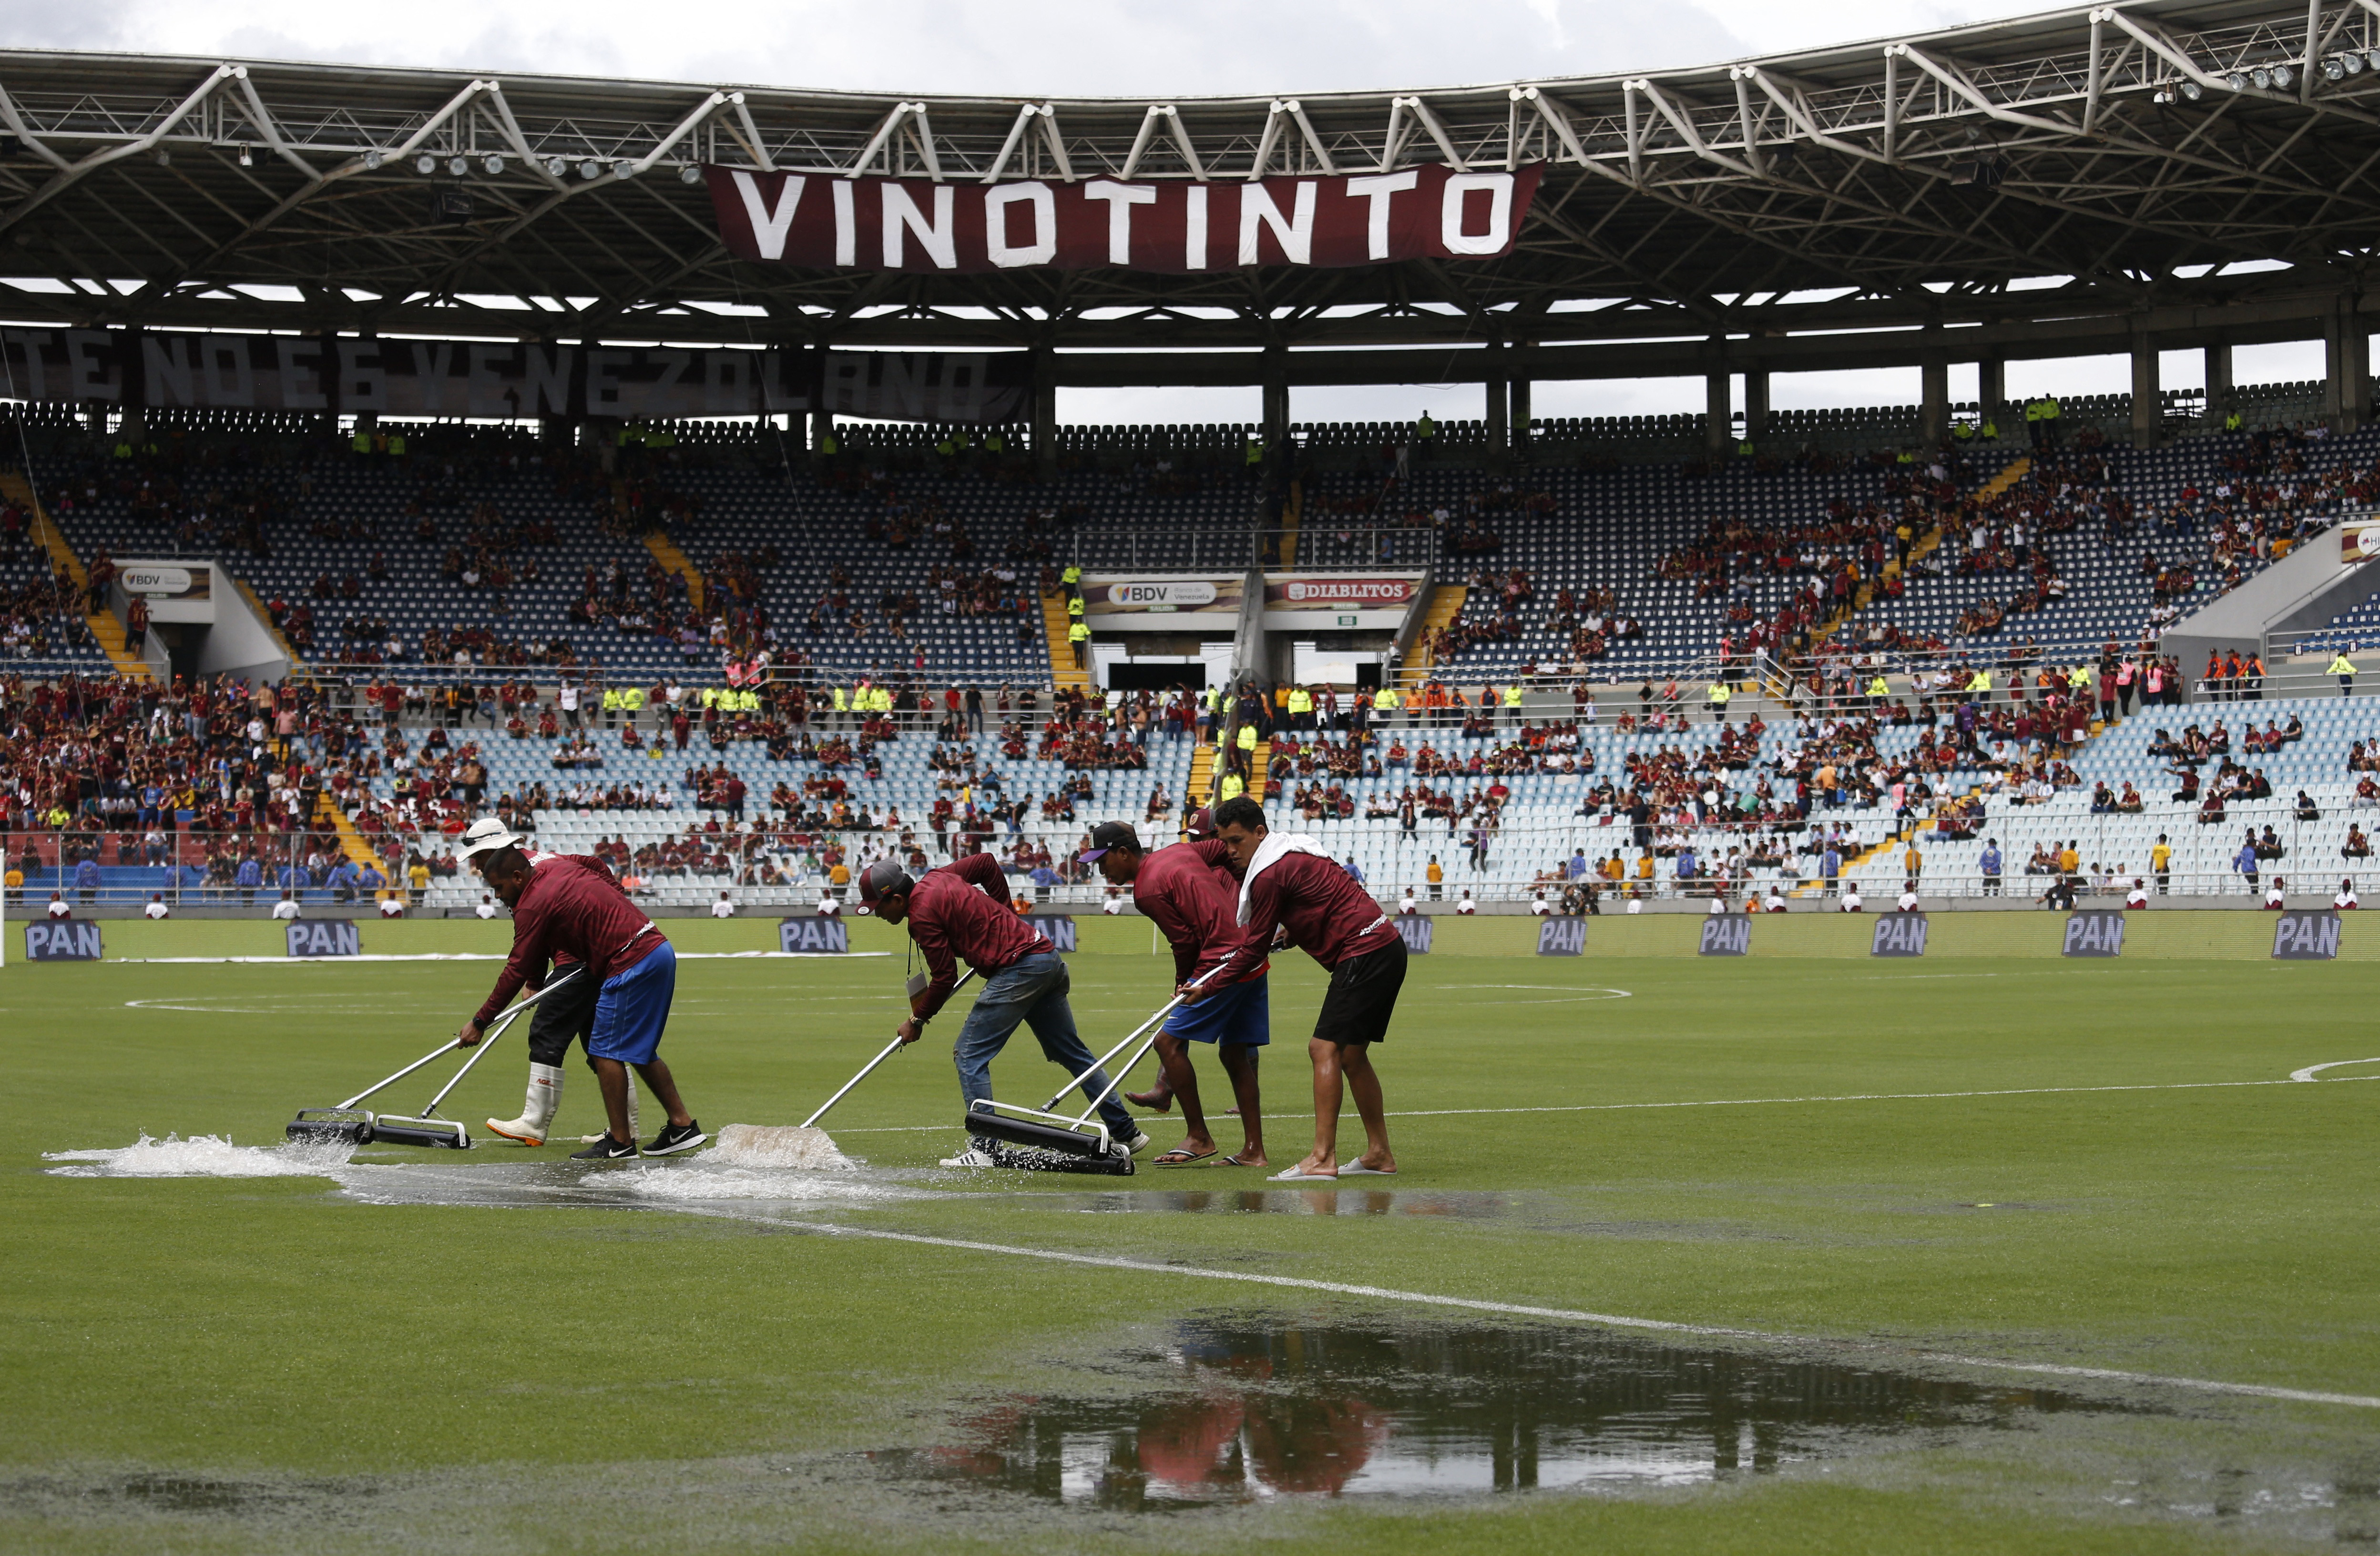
x,y
485,837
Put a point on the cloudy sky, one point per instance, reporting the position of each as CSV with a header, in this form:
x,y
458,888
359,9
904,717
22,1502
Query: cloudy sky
x,y
1094,47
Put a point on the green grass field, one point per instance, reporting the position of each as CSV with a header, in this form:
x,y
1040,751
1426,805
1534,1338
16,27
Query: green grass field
x,y
498,1352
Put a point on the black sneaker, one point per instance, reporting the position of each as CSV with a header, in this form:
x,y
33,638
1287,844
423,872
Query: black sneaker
x,y
605,1148
674,1139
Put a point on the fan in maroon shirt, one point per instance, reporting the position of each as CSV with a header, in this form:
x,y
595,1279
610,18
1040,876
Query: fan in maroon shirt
x,y
1312,899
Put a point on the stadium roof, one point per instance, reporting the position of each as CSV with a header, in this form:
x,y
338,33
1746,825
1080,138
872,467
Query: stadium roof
x,y
1916,181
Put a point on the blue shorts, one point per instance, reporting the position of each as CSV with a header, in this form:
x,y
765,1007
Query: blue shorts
x,y
633,1008
1237,1013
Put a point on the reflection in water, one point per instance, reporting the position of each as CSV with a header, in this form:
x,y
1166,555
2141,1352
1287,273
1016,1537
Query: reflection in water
x,y
1245,1413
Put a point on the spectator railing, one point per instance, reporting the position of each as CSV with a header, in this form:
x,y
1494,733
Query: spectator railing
x,y
130,864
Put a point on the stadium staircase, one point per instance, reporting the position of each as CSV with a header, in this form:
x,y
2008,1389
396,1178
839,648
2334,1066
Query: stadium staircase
x,y
665,551
1055,623
1924,545
264,619
1200,788
352,843
1445,605
103,625
1259,770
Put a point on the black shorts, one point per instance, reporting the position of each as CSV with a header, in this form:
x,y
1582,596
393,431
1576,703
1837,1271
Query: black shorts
x,y
569,1013
1362,997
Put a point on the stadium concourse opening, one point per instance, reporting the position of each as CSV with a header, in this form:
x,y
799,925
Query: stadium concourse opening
x,y
671,478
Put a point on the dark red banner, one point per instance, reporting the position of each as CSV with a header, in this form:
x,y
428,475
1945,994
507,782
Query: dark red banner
x,y
825,223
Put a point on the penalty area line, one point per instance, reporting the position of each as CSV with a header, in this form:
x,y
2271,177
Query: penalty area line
x,y
1565,1314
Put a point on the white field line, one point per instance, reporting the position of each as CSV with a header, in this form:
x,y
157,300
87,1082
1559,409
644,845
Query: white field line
x,y
1567,1315
2296,1078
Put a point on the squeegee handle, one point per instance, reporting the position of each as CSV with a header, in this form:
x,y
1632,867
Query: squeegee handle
x,y
890,1049
444,1048
1130,1038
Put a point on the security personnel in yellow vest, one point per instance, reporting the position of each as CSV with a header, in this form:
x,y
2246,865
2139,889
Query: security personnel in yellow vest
x,y
1879,688
362,441
1980,683
1991,430
2344,668
828,443
881,700
1247,740
1299,704
1255,453
2233,421
123,448
2050,411
632,702
1513,703
2079,679
1426,436
611,707
747,701
1080,636
1743,449
994,445
396,445
1716,697
2034,429
1964,430
1072,578
1384,703
1231,787
1075,608
842,704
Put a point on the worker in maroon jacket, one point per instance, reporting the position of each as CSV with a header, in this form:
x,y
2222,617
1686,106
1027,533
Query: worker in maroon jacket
x,y
961,911
1290,882
1195,906
571,906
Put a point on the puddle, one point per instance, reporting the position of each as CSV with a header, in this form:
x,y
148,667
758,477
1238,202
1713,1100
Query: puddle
x,y
1235,1414
1280,1202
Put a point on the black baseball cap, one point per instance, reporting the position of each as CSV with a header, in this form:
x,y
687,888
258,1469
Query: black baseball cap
x,y
1110,834
883,878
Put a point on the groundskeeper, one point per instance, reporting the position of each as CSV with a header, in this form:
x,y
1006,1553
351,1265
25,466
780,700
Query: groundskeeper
x,y
960,912
571,906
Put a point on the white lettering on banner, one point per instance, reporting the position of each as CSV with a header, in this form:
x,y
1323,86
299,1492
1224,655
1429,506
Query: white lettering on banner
x,y
1295,234
1121,199
434,360
91,369
1058,928
2305,937
1451,211
939,239
846,224
363,381
549,376
1561,937
314,355
769,226
1898,934
1379,190
324,937
1043,207
71,941
2094,932
155,580
170,364
1417,930
1724,935
815,936
484,391
37,372
603,379
236,387
2358,543
1194,592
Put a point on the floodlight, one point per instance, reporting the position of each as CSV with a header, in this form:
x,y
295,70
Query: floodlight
x,y
2236,81
2283,77
494,164
458,166
556,167
590,168
164,157
2371,58
2351,63
425,165
690,174
246,160
371,161
2332,70
2263,77
2192,90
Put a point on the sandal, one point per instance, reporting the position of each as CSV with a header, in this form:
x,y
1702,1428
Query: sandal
x,y
1180,1156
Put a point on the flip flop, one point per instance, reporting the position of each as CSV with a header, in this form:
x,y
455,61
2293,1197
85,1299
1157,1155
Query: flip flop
x,y
1234,1161
1179,1157
1356,1169
1294,1176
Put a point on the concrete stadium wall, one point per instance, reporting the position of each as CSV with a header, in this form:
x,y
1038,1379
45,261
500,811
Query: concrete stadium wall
x,y
2240,935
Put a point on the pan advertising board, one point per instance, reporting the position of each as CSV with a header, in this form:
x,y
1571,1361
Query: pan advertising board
x,y
2305,937
816,936
2094,932
1059,927
1415,929
1898,934
66,939
323,937
1561,937
1725,934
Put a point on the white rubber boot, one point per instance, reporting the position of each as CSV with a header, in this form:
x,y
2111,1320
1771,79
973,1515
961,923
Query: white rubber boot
x,y
544,1096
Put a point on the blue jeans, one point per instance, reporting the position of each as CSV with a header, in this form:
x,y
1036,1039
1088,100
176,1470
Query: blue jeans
x,y
1033,992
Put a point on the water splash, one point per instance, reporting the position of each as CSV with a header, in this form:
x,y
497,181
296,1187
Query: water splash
x,y
204,1155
